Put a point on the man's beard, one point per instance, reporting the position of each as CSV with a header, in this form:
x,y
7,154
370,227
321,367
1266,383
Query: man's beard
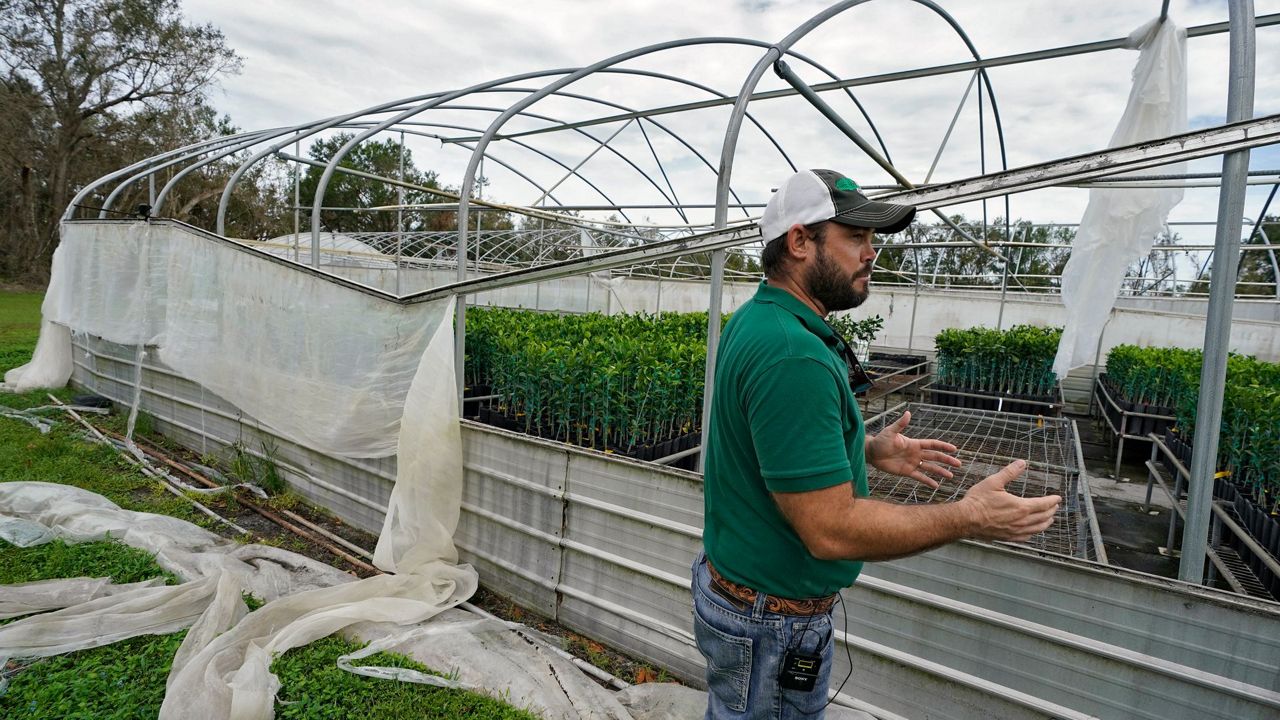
x,y
831,287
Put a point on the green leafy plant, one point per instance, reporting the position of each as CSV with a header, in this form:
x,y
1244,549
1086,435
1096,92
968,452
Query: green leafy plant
x,y
1249,439
864,330
612,383
1014,361
261,470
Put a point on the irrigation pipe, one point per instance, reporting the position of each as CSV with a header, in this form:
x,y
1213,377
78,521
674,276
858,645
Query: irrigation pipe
x,y
268,514
146,470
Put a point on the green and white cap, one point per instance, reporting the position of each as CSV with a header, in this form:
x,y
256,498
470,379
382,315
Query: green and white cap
x,y
812,196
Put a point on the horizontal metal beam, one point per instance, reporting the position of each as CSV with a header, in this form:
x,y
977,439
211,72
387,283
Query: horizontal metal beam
x,y
968,66
1098,164
1175,148
663,250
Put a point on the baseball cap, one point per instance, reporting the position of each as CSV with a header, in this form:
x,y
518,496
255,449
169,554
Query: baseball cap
x,y
812,196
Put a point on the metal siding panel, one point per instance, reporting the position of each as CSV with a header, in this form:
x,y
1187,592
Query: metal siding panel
x,y
911,692
1007,654
619,574
650,618
649,517
1202,629
522,483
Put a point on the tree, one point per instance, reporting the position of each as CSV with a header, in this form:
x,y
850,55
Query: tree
x,y
1259,266
1153,274
1255,266
967,265
352,191
80,76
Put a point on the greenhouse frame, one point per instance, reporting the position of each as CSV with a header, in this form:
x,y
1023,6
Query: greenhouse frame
x,y
602,543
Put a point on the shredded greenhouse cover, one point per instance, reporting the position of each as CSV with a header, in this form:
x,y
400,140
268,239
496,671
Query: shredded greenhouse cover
x,y
1121,225
502,659
361,379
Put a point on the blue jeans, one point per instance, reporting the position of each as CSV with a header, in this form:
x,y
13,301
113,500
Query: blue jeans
x,y
744,648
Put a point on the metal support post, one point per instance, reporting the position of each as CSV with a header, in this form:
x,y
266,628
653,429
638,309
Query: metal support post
x,y
1215,539
713,340
915,304
1151,478
400,214
1004,289
297,203
1173,519
1222,288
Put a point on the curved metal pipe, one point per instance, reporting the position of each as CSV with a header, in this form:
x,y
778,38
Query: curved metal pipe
x,y
297,131
468,180
305,130
216,142
495,158
87,189
495,87
774,54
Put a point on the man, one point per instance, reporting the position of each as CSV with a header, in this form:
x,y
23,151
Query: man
x,y
788,520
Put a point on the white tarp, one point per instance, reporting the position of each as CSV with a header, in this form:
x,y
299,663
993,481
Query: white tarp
x,y
326,365
322,364
1120,225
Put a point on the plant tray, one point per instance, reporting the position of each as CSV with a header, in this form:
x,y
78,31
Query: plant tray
x,y
962,397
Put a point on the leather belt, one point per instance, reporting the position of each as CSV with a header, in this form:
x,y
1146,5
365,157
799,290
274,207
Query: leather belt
x,y
732,591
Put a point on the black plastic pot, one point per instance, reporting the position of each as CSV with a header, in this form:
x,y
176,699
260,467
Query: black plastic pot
x,y
897,360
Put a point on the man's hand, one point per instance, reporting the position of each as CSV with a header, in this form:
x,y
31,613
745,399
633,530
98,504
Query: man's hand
x,y
997,515
897,454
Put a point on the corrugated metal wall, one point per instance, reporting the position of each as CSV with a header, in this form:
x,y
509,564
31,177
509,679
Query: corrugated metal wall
x,y
603,545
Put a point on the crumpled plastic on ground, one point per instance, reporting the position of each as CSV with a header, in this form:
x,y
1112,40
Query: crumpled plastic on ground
x,y
484,653
41,595
1120,224
310,601
92,617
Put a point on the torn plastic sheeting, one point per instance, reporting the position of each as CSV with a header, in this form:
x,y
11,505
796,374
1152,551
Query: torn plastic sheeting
x,y
350,374
319,363
230,676
487,654
1120,225
186,550
42,595
195,555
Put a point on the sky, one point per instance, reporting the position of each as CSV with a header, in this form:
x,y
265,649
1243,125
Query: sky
x,y
307,60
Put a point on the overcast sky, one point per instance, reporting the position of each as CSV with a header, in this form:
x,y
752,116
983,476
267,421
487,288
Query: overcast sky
x,y
312,59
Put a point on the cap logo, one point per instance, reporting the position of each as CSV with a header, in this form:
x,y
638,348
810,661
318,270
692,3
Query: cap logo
x,y
845,183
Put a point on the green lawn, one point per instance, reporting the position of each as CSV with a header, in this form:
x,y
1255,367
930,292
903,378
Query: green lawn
x,y
19,327
126,680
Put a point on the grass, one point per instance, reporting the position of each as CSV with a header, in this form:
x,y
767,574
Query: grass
x,y
313,687
19,327
126,680
58,559
122,681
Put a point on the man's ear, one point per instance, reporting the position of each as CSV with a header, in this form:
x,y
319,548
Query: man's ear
x,y
799,243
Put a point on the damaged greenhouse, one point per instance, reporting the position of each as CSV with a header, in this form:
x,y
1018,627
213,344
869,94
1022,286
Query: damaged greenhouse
x,y
510,397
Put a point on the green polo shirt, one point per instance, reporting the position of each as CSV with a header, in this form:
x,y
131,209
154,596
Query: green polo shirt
x,y
783,419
